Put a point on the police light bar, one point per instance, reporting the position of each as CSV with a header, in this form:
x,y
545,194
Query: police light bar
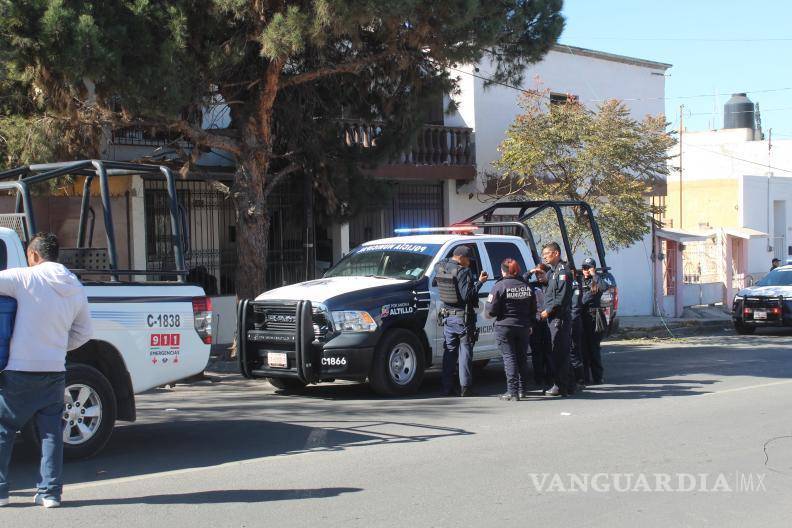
x,y
449,229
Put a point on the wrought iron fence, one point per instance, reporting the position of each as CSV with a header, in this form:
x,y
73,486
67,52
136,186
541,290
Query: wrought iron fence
x,y
211,252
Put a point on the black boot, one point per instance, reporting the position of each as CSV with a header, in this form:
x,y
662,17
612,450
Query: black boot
x,y
468,392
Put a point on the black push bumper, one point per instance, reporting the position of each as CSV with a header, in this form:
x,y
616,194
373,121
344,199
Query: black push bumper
x,y
292,339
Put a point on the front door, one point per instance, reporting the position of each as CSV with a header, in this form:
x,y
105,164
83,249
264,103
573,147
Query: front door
x,y
485,347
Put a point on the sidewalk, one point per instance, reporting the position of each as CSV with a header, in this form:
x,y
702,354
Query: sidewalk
x,y
699,320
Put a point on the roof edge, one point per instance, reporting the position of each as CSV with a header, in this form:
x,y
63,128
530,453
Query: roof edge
x,y
574,50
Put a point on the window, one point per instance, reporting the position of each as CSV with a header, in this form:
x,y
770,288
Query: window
x,y
777,277
562,98
406,263
500,251
475,265
3,255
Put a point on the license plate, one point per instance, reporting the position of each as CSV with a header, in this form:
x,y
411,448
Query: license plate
x,y
760,314
277,360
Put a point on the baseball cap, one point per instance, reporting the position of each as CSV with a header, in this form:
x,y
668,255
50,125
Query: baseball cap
x,y
589,263
464,251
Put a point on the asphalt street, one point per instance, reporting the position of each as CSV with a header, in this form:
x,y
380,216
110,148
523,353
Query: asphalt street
x,y
235,454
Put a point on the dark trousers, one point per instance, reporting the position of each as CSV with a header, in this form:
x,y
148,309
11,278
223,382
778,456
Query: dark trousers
x,y
592,356
33,395
457,348
540,354
514,343
576,351
560,342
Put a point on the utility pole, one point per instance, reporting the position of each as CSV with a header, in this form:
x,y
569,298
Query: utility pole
x,y
681,130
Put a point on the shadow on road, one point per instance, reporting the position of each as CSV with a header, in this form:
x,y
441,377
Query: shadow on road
x,y
218,497
147,448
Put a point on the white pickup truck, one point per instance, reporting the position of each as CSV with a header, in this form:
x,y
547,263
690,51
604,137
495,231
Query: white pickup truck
x,y
374,315
146,333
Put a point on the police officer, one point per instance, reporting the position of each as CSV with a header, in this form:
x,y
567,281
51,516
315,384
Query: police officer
x,y
593,287
540,337
576,351
513,306
558,314
459,295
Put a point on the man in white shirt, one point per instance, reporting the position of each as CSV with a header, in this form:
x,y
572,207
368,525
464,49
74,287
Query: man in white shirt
x,y
52,317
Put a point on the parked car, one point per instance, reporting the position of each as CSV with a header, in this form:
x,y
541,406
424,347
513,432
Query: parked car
x,y
767,303
147,333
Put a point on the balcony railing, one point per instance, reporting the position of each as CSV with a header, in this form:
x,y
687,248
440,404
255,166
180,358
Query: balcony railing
x,y
147,137
433,145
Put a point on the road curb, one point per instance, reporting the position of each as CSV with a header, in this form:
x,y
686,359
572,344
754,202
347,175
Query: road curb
x,y
690,327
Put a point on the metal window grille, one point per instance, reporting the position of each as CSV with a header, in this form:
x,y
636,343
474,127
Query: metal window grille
x,y
411,205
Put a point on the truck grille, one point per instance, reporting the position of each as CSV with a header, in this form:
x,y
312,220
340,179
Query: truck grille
x,y
277,317
281,317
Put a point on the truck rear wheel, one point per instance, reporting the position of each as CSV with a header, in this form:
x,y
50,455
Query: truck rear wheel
x,y
89,413
287,385
398,365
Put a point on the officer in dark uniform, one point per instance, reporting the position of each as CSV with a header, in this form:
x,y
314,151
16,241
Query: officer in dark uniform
x,y
513,305
593,321
576,351
558,314
459,295
540,337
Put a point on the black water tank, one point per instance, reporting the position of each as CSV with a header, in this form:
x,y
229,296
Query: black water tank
x,y
738,112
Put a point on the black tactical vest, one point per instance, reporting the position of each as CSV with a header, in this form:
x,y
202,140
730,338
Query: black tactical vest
x,y
448,283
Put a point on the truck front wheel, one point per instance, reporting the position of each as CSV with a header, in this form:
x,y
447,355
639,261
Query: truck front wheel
x,y
398,365
89,413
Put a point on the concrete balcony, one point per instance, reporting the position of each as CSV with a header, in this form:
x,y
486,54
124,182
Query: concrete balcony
x,y
436,153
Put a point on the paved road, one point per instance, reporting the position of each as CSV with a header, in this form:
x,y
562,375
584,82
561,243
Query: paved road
x,y
234,454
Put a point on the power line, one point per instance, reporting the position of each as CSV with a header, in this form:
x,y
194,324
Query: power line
x,y
765,165
760,111
696,39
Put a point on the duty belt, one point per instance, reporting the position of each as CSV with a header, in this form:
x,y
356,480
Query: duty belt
x,y
451,312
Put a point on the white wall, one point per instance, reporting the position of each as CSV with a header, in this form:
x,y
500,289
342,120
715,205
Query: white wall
x,y
490,111
754,206
591,79
724,154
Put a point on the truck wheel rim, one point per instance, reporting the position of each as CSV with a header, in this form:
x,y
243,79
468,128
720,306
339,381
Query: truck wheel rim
x,y
402,363
82,414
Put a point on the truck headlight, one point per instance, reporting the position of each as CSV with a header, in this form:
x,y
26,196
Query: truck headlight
x,y
354,321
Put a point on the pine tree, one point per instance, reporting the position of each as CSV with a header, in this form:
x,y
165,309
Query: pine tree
x,y
286,70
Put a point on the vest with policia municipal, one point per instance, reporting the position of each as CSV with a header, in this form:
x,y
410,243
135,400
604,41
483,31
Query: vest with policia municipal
x,y
448,283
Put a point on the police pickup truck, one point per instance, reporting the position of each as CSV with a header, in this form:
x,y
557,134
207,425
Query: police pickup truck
x,y
147,333
374,315
766,303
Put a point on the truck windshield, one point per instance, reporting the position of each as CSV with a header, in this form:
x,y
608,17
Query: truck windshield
x,y
393,261
777,277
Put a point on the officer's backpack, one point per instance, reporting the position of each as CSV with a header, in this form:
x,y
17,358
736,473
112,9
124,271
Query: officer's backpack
x,y
448,283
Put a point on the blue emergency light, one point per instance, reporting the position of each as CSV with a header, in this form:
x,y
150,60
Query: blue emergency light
x,y
449,229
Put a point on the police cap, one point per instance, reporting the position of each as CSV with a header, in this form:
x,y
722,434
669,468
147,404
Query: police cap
x,y
589,263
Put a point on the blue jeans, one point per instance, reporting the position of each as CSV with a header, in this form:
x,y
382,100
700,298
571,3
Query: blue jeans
x,y
39,395
457,347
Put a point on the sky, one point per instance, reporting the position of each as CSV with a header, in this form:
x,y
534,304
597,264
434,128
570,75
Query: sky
x,y
716,48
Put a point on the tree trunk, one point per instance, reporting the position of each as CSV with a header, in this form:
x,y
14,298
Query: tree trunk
x,y
253,224
251,186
